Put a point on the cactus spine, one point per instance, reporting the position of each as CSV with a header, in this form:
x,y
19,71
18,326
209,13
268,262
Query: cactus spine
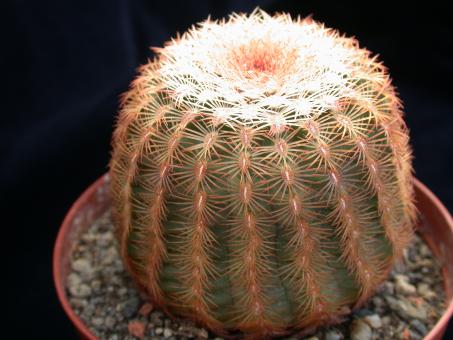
x,y
261,175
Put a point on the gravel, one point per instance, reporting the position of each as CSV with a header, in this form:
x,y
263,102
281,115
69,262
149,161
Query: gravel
x,y
406,306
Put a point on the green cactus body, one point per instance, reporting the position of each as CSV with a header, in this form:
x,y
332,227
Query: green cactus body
x,y
261,175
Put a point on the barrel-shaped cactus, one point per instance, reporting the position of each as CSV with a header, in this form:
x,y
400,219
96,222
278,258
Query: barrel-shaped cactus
x,y
261,175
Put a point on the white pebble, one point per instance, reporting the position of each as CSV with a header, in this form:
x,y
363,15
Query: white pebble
x,y
80,291
167,333
83,266
403,286
360,330
425,291
373,320
333,334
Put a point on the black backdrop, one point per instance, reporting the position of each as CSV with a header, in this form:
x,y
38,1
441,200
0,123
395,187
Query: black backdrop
x,y
66,62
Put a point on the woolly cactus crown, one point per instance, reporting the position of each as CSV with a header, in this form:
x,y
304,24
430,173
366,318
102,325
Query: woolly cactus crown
x,y
261,175
248,64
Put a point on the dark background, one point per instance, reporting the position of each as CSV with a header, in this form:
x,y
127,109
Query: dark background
x,y
66,62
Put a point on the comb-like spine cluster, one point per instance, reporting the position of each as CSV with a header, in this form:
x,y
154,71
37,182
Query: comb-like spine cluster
x,y
261,184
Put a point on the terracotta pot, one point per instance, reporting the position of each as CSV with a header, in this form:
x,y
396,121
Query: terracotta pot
x,y
436,227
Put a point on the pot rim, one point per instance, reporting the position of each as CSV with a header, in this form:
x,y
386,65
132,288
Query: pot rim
x,y
83,329
57,252
442,323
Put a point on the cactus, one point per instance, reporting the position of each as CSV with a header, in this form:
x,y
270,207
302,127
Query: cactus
x,y
261,175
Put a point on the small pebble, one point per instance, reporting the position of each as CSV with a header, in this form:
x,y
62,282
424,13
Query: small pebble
x,y
122,291
388,288
360,330
386,320
88,311
96,285
202,333
130,306
167,332
78,302
83,266
424,290
424,250
110,322
104,239
74,279
406,334
373,320
88,237
408,311
82,290
419,327
97,321
145,309
377,301
136,328
333,335
109,256
403,286
414,335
